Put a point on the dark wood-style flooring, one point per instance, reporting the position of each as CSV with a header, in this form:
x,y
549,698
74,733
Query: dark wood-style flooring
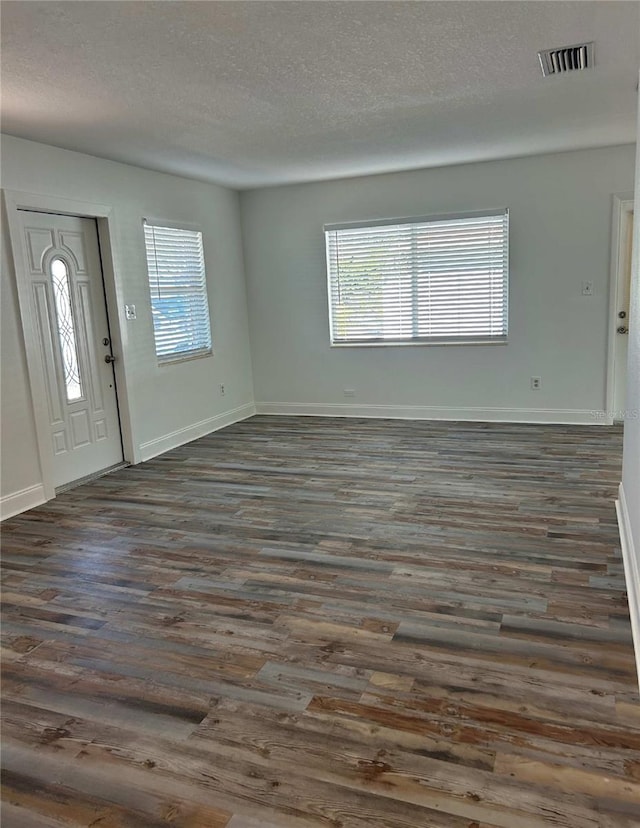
x,y
339,623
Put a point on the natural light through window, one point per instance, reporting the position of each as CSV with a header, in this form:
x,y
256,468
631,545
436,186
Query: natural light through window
x,y
432,280
178,288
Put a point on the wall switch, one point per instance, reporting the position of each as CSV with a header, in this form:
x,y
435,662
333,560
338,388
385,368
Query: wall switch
x,y
222,390
349,392
130,311
587,287
536,383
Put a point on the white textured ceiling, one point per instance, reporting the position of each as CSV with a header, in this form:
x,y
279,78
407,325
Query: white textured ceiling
x,y
257,93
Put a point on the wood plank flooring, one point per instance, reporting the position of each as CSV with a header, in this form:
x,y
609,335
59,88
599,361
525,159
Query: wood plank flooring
x,y
317,623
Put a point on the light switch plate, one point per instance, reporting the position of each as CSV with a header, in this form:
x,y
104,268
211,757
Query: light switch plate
x,y
587,288
130,311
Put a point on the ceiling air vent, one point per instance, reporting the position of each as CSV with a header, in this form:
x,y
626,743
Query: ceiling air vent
x,y
566,59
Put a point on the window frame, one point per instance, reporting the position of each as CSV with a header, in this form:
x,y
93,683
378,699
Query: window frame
x,y
178,356
408,220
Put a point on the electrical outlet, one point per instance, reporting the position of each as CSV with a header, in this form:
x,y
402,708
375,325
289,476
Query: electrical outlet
x,y
222,390
349,392
587,287
536,383
130,311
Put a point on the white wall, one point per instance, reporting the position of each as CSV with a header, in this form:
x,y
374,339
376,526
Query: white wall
x,y
630,490
164,400
560,234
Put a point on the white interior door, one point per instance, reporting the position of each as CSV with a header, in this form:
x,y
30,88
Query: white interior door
x,y
623,297
69,321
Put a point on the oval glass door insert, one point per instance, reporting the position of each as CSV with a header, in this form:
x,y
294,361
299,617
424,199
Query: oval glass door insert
x,y
66,328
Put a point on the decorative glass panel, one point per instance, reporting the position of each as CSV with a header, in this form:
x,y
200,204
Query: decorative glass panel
x,y
66,328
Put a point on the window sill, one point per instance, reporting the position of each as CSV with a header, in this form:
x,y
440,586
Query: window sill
x,y
188,357
419,343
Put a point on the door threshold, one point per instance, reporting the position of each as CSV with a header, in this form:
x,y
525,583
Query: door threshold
x,y
89,477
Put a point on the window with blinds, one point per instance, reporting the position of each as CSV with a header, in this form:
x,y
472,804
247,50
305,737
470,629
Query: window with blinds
x,y
178,288
432,280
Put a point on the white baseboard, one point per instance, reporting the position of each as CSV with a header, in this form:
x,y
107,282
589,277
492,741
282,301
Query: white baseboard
x,y
433,412
17,502
185,435
630,557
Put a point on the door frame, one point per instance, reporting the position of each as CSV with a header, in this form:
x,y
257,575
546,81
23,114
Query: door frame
x,y
15,202
622,205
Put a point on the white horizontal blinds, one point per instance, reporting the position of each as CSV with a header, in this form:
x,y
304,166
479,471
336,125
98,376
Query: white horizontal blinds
x,y
428,280
178,289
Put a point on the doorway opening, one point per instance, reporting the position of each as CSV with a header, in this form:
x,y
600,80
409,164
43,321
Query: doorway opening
x,y
68,302
619,306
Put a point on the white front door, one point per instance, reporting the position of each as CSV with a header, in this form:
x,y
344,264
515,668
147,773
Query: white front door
x,y
622,308
69,320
